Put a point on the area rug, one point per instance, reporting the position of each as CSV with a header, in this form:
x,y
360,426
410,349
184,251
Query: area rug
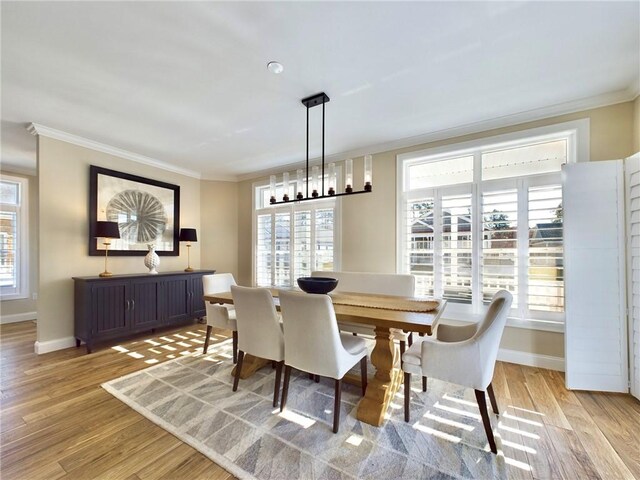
x,y
191,397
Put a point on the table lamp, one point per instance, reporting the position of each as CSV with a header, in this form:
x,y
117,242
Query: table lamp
x,y
107,231
188,235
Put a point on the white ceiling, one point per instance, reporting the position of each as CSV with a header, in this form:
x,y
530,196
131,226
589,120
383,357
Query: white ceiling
x,y
187,84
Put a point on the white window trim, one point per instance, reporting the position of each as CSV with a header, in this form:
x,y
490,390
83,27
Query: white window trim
x,y
336,203
22,291
578,132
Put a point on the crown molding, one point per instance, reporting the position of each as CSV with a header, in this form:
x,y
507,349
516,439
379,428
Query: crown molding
x,y
20,170
37,129
533,115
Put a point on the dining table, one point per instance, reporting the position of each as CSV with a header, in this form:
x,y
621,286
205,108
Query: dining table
x,y
383,313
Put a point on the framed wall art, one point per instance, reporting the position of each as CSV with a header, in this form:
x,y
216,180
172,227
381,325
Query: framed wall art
x,y
147,212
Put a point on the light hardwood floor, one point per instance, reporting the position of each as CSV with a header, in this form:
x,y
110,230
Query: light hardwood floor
x,y
56,421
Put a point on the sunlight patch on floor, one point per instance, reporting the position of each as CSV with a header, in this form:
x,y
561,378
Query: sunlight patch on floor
x,y
516,430
437,433
520,419
447,421
528,411
119,348
304,422
460,400
464,413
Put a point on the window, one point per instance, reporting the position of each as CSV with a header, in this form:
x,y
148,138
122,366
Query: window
x,y
291,241
477,218
13,237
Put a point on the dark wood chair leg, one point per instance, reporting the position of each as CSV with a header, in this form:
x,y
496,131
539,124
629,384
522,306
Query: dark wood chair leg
x,y
336,406
421,334
316,378
285,387
403,348
238,369
77,343
482,403
363,374
311,376
410,339
276,388
273,364
492,398
235,346
206,339
407,395
424,384
355,334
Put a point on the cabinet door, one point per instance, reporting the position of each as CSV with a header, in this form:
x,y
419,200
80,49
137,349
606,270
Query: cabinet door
x,y
109,309
144,310
197,292
176,298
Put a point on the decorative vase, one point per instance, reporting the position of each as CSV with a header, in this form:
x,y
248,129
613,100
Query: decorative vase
x,y
152,260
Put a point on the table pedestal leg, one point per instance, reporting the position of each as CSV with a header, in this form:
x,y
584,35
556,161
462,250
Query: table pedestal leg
x,y
250,365
385,383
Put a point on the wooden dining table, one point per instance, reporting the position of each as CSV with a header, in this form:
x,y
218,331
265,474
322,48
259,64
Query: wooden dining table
x,y
384,357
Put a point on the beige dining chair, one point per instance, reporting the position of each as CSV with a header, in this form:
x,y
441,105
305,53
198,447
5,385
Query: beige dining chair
x,y
219,315
259,330
465,355
314,344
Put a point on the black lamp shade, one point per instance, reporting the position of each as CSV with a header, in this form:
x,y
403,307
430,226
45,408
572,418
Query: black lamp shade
x,y
107,230
188,235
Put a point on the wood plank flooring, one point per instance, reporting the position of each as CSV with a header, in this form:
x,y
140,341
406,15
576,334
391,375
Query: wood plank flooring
x,y
56,421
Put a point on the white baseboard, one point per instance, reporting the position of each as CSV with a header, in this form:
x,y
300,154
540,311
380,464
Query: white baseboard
x,y
531,359
53,345
18,317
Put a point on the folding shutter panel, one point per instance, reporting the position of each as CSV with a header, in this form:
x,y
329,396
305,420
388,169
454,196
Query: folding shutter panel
x,y
632,181
595,332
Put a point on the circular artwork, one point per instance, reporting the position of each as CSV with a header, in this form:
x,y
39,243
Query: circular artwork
x,y
140,215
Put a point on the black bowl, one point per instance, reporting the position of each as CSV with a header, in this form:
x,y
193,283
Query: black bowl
x,y
317,284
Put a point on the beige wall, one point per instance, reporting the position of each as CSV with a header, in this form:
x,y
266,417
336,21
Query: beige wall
x,y
636,125
369,221
27,305
63,172
219,226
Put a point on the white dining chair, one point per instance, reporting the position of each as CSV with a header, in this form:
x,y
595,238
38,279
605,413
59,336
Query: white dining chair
x,y
314,344
465,355
403,285
219,315
259,330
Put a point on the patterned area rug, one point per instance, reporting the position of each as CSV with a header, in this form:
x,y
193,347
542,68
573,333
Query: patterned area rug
x,y
191,397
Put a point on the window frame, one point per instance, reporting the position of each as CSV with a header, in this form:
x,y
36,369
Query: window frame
x,y
291,208
577,135
21,291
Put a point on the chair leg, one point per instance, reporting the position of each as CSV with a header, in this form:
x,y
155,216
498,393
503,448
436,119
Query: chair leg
x,y
276,388
410,339
336,406
403,347
238,369
424,384
492,398
206,339
482,403
235,346
407,395
363,374
273,364
285,387
316,378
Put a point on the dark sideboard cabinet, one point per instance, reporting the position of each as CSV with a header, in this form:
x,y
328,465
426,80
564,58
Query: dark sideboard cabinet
x,y
115,307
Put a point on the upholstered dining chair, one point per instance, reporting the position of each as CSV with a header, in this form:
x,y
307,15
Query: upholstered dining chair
x,y
376,283
465,355
220,316
314,344
259,330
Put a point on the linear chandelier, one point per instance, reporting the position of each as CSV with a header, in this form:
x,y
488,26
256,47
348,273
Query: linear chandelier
x,y
317,176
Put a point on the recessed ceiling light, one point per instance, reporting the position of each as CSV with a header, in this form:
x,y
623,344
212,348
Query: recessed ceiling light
x,y
275,67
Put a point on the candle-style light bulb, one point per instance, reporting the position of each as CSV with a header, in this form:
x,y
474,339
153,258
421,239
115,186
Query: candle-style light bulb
x,y
285,186
314,181
272,189
332,179
300,182
348,175
368,173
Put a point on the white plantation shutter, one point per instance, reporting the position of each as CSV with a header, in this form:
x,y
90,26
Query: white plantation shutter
x,y
418,250
500,243
632,180
293,241
455,212
595,328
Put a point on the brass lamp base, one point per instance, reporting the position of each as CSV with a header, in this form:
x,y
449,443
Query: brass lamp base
x,y
188,269
106,274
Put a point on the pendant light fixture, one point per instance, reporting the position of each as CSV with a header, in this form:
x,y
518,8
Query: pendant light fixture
x,y
317,178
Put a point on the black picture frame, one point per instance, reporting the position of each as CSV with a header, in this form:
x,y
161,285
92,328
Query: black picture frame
x,y
111,193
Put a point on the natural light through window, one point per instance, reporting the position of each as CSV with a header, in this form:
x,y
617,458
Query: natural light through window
x,y
13,237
